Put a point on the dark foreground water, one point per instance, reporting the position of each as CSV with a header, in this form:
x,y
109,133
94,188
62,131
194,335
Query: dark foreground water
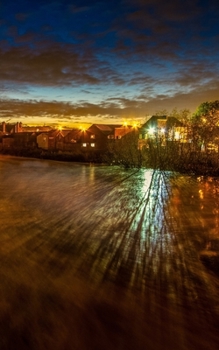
x,y
97,258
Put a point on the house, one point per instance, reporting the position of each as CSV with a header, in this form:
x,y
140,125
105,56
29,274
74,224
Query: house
x,y
71,141
78,140
7,128
51,140
159,124
24,140
101,134
161,129
121,131
43,140
59,140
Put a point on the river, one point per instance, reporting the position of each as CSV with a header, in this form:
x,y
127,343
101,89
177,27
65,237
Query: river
x,y
97,257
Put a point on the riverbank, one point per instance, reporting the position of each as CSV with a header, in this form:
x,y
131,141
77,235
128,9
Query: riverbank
x,y
194,163
52,155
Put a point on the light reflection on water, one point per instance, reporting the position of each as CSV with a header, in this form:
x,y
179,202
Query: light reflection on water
x,y
107,229
97,202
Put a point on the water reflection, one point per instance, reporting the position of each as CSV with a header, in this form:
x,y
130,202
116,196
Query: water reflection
x,y
103,258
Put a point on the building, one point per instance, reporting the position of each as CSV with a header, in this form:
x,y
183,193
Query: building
x,y
14,128
100,134
7,141
162,129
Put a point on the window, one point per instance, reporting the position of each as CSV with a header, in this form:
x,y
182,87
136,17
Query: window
x,y
84,145
92,144
92,136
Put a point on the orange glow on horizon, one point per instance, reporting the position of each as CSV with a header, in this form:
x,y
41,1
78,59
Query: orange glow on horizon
x,y
82,128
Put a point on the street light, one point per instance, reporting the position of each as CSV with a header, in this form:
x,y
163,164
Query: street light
x,y
151,130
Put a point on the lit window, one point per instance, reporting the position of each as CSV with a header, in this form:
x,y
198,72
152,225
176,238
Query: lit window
x,y
92,144
92,136
84,145
177,135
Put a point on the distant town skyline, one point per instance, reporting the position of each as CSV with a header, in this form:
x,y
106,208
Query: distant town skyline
x,y
64,62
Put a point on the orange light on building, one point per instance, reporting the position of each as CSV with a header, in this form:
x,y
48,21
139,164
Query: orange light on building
x,y
135,125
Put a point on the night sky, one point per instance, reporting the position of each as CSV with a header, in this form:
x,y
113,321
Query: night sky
x,y
106,61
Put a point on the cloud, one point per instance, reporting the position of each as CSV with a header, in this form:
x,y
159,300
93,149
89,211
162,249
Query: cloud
x,y
111,108
166,30
55,66
133,57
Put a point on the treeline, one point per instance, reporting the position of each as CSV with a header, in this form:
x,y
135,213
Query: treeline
x,y
174,156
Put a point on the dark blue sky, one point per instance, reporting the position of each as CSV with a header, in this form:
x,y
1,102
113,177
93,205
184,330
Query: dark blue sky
x,y
106,60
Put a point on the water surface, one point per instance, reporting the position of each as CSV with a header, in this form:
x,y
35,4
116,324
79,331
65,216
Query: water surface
x,y
96,257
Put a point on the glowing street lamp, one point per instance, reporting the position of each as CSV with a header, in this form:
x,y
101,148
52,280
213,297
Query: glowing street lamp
x,y
135,125
82,128
151,130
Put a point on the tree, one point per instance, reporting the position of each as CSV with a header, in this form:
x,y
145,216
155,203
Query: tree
x,y
125,151
184,115
161,113
205,122
207,113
